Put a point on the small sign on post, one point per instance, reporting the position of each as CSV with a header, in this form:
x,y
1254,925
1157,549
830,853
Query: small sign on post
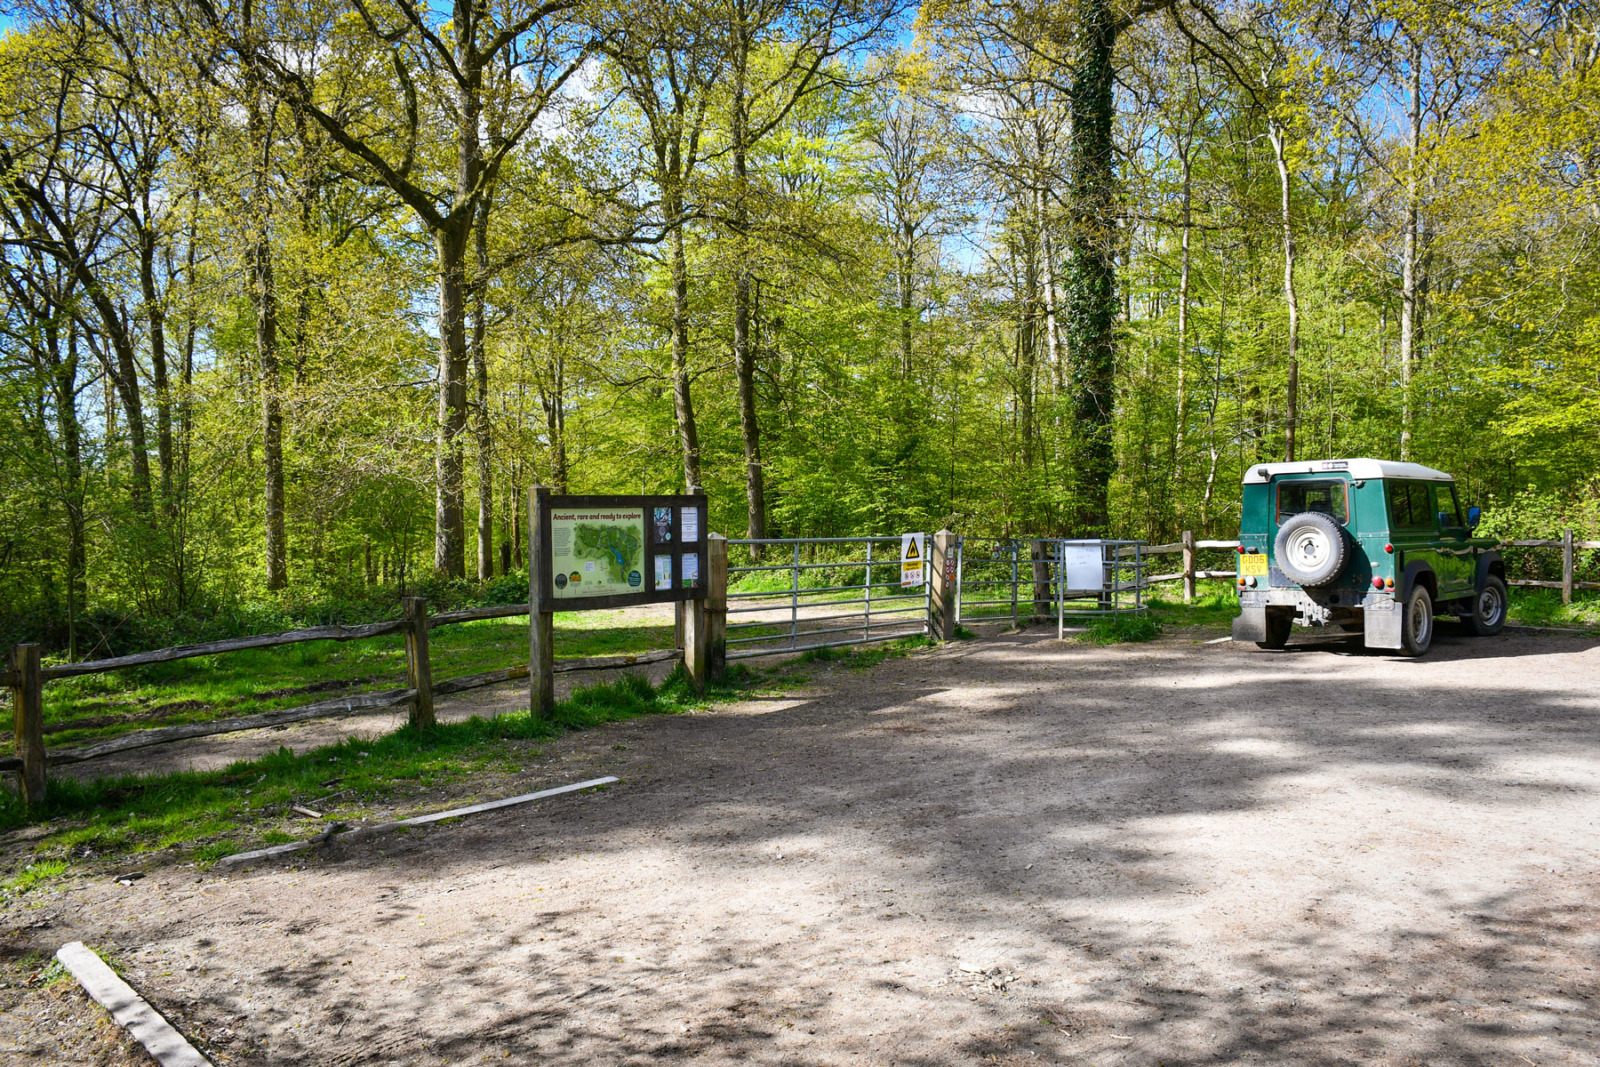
x,y
913,554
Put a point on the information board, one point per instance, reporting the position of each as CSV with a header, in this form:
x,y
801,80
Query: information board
x,y
611,551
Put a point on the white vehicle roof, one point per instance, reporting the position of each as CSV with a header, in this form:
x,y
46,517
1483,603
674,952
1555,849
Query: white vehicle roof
x,y
1355,468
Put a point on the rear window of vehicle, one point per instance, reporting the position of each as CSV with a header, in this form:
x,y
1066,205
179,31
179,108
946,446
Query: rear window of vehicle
x,y
1409,507
1329,496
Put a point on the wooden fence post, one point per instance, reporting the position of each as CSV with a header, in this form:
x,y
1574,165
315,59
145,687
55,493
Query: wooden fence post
x,y
27,697
716,606
541,620
942,574
1188,566
1566,566
419,671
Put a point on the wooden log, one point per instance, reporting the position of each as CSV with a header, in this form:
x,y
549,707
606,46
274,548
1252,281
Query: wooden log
x,y
541,620
1163,550
1535,543
1216,544
27,702
231,644
419,670
1533,583
1174,576
498,611
327,709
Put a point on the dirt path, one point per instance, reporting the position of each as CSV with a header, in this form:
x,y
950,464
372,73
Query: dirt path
x,y
1011,850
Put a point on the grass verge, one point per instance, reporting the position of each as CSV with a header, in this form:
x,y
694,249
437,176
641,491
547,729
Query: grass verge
x,y
97,706
201,816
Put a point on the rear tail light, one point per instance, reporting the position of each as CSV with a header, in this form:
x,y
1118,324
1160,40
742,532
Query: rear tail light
x,y
1389,582
1389,549
1377,583
1241,550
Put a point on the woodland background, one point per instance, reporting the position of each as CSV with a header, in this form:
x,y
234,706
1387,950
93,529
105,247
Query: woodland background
x,y
301,297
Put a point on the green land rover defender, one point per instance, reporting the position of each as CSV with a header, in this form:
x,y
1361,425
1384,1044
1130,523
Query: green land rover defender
x,y
1378,548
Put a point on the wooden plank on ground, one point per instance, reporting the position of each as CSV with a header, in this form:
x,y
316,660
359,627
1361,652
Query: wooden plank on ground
x,y
416,820
131,1011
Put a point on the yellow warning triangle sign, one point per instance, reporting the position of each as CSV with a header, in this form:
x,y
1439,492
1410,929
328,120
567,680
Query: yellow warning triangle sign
x,y
911,549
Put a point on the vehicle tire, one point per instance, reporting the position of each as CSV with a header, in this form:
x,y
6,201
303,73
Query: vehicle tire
x,y
1279,624
1416,622
1311,548
1488,613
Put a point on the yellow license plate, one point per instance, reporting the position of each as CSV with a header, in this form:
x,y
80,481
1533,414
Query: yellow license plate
x,y
1253,564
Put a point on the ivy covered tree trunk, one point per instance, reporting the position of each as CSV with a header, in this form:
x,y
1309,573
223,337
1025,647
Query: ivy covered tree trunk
x,y
1091,265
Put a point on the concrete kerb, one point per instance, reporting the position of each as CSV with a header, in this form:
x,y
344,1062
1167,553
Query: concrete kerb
x,y
131,1011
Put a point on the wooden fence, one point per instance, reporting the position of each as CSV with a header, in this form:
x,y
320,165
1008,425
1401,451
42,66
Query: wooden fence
x,y
26,677
1189,575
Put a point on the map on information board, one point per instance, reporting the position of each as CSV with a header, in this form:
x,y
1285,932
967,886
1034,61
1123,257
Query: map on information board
x,y
596,551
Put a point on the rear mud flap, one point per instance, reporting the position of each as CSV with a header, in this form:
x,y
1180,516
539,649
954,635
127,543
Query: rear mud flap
x,y
1251,625
1382,627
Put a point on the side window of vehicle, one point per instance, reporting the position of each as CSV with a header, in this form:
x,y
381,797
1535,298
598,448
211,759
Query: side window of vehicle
x,y
1409,506
1422,516
1449,504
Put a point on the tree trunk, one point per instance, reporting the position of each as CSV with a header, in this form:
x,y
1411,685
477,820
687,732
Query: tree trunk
x,y
744,355
155,320
1091,273
1277,135
682,399
264,295
449,543
907,280
482,433
1183,325
1052,326
1410,282
1027,351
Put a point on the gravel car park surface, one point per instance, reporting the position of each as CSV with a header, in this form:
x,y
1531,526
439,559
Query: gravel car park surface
x,y
1011,850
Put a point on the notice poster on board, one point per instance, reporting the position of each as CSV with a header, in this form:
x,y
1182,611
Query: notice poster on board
x,y
596,551
690,525
663,572
691,570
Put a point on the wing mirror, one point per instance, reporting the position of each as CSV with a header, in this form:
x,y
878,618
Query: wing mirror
x,y
1474,516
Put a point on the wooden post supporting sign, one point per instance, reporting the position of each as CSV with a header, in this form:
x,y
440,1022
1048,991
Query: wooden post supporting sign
x,y
419,670
716,606
943,591
27,696
541,619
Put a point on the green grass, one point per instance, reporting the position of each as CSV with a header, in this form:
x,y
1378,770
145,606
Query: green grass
x,y
32,876
97,706
204,815
1120,629
1543,607
858,658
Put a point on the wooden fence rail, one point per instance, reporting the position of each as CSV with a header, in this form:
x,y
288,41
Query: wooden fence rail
x,y
1568,585
25,676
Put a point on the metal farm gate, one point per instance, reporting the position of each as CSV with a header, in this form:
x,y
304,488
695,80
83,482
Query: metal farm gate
x,y
1035,577
826,593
